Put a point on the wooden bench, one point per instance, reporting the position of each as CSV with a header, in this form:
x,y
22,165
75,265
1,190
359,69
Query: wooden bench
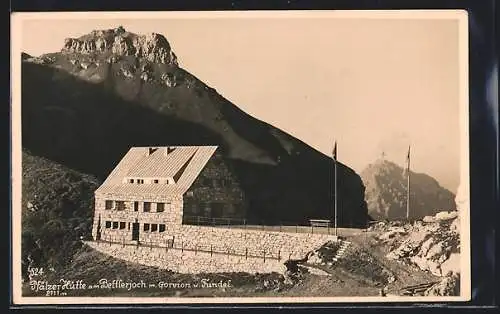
x,y
320,223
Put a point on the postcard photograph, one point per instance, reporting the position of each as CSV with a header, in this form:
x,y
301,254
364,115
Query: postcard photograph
x,y
240,157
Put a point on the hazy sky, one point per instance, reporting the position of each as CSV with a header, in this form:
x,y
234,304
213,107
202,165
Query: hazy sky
x,y
374,85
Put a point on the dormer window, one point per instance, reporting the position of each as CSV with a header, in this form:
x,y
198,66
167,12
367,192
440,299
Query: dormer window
x,y
131,181
155,181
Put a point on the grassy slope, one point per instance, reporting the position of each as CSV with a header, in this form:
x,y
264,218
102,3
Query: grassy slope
x,y
56,211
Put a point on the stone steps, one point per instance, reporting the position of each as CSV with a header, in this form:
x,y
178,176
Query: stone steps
x,y
342,250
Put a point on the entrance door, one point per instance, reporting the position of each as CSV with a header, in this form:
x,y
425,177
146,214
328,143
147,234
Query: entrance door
x,y
135,231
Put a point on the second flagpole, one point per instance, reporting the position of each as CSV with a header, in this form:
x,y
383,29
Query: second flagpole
x,y
335,187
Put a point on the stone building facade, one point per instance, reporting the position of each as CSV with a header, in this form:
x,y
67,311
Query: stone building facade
x,y
144,197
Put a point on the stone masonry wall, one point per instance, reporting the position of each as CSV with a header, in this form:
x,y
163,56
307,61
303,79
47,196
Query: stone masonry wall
x,y
233,250
172,216
216,186
288,245
188,261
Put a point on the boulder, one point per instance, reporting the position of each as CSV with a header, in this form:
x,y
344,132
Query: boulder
x,y
452,264
446,215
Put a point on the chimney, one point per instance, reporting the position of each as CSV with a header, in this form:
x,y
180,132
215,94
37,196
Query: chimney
x,y
151,150
169,149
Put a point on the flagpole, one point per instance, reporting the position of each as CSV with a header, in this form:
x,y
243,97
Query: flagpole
x,y
334,157
335,161
408,187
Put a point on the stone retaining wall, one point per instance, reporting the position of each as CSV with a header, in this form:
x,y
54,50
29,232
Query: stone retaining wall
x,y
287,245
188,261
232,250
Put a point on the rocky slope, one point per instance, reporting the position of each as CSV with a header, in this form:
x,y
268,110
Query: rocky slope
x,y
386,188
432,244
111,89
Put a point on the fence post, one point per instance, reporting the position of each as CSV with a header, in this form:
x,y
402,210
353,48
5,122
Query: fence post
x,y
279,255
150,244
123,242
264,256
195,249
182,246
246,253
211,250
312,229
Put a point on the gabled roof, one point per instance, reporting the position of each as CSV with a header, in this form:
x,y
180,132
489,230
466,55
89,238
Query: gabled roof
x,y
184,163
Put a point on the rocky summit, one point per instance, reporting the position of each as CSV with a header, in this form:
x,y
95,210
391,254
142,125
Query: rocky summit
x,y
386,193
152,47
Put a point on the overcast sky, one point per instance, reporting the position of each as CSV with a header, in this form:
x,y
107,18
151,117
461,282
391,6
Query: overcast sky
x,y
374,85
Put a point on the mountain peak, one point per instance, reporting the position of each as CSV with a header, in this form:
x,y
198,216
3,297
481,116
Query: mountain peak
x,y
386,192
153,47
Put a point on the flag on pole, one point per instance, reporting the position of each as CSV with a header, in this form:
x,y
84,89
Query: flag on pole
x,y
408,160
406,170
334,153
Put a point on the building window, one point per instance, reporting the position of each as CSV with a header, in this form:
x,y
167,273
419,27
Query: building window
x,y
155,180
115,224
140,181
154,227
162,227
108,224
160,207
136,206
122,225
120,205
131,180
146,227
108,205
147,207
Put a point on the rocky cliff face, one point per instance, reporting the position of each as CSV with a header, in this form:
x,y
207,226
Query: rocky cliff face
x,y
106,91
431,244
152,47
386,189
